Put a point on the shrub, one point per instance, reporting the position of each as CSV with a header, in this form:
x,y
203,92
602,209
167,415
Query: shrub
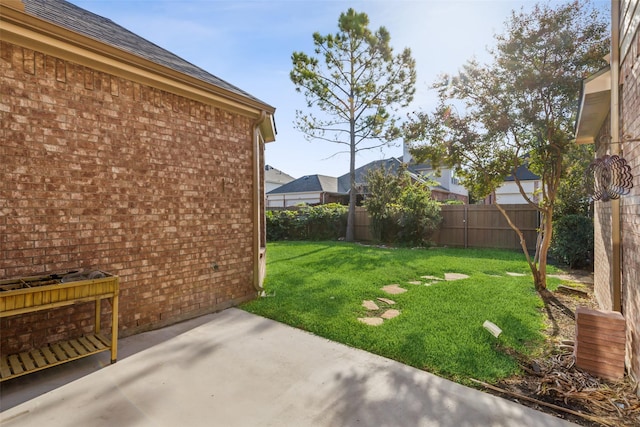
x,y
322,222
418,215
401,208
572,241
282,225
326,222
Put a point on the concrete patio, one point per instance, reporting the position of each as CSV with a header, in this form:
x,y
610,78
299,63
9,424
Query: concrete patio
x,y
236,369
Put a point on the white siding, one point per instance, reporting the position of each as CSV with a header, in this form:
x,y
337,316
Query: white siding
x,y
510,194
292,199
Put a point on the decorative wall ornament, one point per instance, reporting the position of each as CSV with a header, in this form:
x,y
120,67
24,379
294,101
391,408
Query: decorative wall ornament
x,y
608,177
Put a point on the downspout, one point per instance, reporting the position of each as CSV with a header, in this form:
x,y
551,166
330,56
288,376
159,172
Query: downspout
x,y
616,263
257,194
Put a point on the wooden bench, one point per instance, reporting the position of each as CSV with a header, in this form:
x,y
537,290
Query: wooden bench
x,y
28,294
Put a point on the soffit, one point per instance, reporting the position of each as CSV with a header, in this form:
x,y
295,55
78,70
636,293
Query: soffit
x,y
594,106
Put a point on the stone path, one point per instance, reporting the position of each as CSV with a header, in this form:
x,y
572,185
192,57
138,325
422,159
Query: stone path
x,y
509,273
394,289
380,314
379,311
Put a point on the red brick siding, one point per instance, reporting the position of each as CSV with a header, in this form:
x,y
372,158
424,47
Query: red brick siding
x,y
630,204
103,172
602,234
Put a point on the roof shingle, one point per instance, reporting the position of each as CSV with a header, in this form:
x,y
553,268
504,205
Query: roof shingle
x,y
74,18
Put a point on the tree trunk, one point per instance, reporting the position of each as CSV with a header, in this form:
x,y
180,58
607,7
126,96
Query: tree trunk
x,y
353,192
539,271
545,244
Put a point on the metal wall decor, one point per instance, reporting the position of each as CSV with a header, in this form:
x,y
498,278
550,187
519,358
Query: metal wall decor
x,y
609,177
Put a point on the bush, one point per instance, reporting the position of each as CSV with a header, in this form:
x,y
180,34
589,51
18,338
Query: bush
x,y
572,241
322,222
418,215
282,225
401,208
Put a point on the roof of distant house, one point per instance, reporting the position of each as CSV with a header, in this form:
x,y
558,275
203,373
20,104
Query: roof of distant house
x,y
94,26
274,175
341,185
344,181
524,174
309,183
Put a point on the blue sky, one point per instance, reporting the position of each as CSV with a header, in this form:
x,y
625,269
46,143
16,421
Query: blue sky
x,y
249,44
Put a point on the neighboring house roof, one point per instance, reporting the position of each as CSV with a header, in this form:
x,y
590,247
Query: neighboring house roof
x,y
276,176
79,20
308,184
524,174
341,185
344,182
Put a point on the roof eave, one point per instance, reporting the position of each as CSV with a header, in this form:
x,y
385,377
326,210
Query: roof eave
x,y
34,33
595,104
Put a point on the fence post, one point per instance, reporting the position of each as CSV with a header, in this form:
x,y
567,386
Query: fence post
x,y
466,226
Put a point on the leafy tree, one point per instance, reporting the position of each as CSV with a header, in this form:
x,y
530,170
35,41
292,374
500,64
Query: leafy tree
x,y
573,197
358,85
401,207
521,107
384,188
418,214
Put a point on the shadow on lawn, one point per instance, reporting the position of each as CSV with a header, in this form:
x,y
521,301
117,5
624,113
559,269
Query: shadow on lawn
x,y
550,302
306,254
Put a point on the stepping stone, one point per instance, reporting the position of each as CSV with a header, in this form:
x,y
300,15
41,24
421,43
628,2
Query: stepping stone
x,y
455,276
394,289
371,321
390,314
515,274
370,305
387,300
431,278
415,282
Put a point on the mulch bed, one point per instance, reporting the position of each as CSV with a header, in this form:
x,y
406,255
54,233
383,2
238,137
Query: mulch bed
x,y
551,383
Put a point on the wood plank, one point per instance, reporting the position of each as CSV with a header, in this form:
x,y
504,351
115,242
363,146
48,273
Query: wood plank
x,y
68,349
79,348
16,366
5,371
585,335
589,347
87,344
48,355
19,301
26,361
10,302
38,358
95,341
105,341
59,352
28,300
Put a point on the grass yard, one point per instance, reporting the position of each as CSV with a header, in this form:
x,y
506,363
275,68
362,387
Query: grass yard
x,y
320,287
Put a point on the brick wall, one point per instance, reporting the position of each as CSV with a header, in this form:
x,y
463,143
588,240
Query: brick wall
x,y
630,204
603,247
98,171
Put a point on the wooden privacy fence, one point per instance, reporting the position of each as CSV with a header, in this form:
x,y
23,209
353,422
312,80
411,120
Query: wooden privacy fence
x,y
473,226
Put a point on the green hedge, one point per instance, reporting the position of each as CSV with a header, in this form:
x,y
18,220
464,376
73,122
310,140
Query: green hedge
x,y
572,241
322,222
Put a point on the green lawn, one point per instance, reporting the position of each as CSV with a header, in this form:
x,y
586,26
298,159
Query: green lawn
x,y
320,287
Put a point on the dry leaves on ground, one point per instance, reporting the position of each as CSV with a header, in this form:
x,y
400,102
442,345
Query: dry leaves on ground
x,y
552,380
